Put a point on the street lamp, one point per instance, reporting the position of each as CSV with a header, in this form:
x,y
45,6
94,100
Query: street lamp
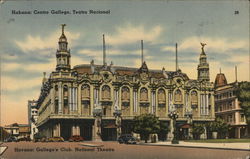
x,y
173,115
118,120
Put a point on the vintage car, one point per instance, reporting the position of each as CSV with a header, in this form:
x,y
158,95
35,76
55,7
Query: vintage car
x,y
55,139
11,139
127,139
75,138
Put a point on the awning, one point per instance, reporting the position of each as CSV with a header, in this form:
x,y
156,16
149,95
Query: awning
x,y
111,125
186,126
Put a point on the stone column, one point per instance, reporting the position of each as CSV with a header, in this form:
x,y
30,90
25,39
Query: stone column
x,y
199,104
59,129
52,108
72,130
76,97
56,130
73,99
212,105
60,100
79,100
152,102
237,133
70,99
131,99
78,129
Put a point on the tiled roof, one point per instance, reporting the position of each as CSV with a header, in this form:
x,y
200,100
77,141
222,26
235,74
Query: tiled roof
x,y
220,80
120,70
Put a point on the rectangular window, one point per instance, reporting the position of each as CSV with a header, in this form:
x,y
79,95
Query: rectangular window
x,y
56,106
104,111
242,118
229,118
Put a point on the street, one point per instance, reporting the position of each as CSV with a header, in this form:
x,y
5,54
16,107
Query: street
x,y
112,150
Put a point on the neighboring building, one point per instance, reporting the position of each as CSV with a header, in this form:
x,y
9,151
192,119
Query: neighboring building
x,y
12,129
70,97
3,134
227,106
18,130
24,131
32,117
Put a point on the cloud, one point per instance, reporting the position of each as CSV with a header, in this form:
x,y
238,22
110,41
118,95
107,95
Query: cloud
x,y
168,48
10,66
132,34
220,45
14,84
35,43
16,108
90,52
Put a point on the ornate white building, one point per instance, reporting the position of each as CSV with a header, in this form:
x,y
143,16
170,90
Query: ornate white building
x,y
32,117
96,101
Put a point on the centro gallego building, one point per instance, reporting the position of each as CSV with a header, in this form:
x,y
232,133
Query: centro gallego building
x,y
100,101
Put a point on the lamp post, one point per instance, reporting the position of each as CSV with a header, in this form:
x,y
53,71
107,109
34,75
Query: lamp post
x,y
97,112
118,121
173,115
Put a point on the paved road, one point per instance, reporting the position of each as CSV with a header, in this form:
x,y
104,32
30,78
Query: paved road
x,y
112,150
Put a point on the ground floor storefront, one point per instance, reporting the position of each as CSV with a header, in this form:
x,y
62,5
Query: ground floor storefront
x,y
238,131
87,128
106,129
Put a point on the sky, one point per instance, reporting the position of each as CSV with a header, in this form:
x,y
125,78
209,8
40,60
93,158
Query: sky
x,y
28,43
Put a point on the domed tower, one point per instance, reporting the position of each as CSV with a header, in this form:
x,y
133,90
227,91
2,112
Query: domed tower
x,y
63,54
220,80
203,67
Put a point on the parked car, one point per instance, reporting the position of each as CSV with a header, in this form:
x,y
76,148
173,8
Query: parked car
x,y
55,139
127,139
131,140
11,139
76,138
24,139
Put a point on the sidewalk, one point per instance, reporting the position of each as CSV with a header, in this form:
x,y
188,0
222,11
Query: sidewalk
x,y
223,146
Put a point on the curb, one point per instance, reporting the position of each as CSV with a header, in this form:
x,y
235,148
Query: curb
x,y
182,146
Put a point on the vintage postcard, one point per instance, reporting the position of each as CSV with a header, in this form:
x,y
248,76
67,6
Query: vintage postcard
x,y
125,79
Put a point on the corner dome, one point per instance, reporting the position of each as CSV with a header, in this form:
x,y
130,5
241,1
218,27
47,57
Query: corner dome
x,y
220,80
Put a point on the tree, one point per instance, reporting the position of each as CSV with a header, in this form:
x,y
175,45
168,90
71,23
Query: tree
x,y
219,126
197,130
145,125
243,94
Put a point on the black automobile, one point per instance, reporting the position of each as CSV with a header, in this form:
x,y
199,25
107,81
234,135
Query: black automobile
x,y
11,139
127,139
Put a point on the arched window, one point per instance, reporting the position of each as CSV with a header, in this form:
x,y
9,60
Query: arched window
x,y
194,98
65,91
178,96
85,91
125,94
56,91
144,94
161,96
106,95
